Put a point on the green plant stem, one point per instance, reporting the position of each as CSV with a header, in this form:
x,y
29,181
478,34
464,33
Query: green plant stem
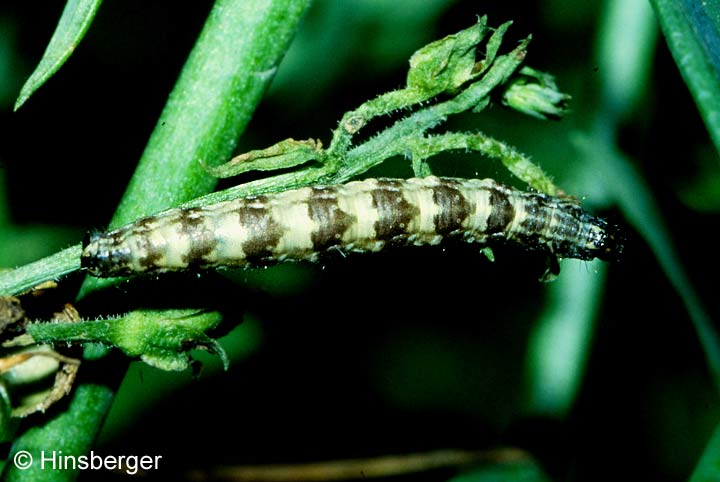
x,y
54,266
423,147
161,338
210,105
289,180
225,76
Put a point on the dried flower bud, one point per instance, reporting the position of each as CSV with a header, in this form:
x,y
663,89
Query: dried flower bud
x,y
535,93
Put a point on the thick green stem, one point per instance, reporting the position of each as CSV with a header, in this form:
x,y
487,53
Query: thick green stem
x,y
225,76
234,60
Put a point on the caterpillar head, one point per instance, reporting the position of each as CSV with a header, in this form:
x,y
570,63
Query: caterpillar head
x,y
610,243
100,257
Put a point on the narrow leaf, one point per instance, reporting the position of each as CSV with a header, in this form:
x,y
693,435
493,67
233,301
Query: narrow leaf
x,y
692,31
74,23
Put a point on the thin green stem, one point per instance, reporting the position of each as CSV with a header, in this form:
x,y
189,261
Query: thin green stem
x,y
424,147
161,338
280,182
25,277
443,66
386,144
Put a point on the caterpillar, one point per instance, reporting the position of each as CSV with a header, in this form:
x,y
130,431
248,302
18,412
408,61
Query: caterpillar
x,y
360,216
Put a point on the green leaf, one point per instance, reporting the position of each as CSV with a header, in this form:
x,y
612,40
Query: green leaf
x,y
446,64
692,31
708,468
74,23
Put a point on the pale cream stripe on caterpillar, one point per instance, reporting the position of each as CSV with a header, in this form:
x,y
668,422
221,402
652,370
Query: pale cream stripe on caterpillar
x,y
360,216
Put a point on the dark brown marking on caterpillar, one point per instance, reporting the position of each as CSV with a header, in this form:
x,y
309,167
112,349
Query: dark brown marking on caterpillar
x,y
332,221
264,232
502,213
152,256
201,238
395,213
453,208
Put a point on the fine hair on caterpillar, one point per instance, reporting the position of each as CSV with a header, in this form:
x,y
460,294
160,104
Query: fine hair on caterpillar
x,y
360,216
